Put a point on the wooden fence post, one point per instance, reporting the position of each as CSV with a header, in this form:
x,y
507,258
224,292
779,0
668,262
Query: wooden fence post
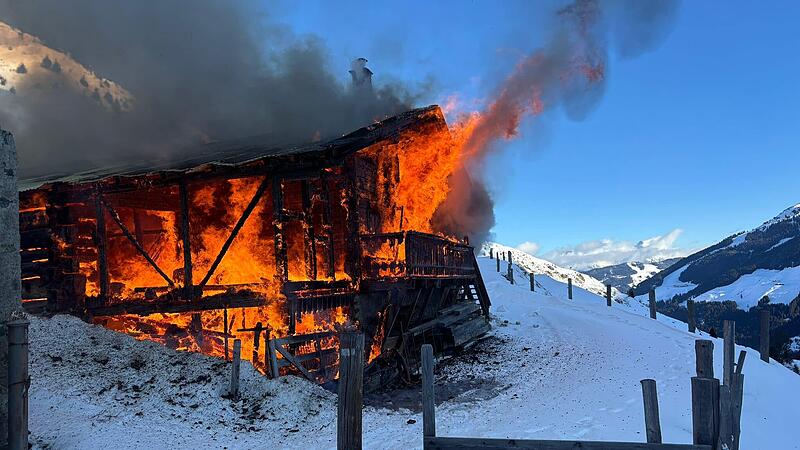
x,y
428,393
498,264
652,303
729,331
351,380
705,396
725,440
690,313
608,294
704,354
740,362
18,383
233,391
225,330
652,423
533,283
763,346
737,394
510,275
569,288
491,252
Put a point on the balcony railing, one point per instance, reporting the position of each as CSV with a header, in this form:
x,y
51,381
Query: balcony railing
x,y
415,255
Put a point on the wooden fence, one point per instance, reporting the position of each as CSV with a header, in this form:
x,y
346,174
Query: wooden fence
x,y
716,413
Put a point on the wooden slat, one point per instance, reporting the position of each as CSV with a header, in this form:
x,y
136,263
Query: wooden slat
x,y
459,443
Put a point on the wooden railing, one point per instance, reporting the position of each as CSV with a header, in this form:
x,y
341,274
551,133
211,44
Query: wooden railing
x,y
417,255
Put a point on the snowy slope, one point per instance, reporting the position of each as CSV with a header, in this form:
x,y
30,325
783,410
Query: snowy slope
x,y
743,267
540,266
552,369
629,274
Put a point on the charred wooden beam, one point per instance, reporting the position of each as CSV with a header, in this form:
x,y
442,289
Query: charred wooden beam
x,y
113,213
100,243
245,215
188,285
308,229
327,223
147,307
281,259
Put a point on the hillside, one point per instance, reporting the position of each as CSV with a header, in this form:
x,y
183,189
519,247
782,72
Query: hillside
x,y
540,266
741,268
552,368
629,274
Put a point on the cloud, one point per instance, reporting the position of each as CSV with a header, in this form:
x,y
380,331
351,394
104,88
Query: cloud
x,y
606,252
529,247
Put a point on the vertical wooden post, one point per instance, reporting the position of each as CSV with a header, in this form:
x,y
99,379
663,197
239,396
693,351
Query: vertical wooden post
x,y
705,411
281,259
737,394
235,366
428,393
763,346
309,237
652,303
18,382
569,288
491,252
225,330
608,294
704,354
725,441
351,379
273,359
188,286
100,242
498,264
705,396
10,301
729,331
690,313
533,283
510,275
652,423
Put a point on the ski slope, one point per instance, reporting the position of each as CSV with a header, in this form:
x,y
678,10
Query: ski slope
x,y
552,368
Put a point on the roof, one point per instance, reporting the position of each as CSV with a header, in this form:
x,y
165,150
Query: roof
x,y
246,151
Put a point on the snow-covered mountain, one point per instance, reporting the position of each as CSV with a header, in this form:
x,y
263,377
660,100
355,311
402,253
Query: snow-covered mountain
x,y
539,266
28,66
743,268
629,274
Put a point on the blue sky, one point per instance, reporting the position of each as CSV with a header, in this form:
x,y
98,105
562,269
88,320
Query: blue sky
x,y
700,134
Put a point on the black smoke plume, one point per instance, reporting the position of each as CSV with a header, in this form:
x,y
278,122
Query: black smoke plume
x,y
198,71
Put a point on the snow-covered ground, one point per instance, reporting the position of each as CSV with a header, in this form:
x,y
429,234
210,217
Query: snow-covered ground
x,y
552,368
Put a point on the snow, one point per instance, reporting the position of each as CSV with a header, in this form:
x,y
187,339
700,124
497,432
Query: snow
x,y
782,286
738,240
539,266
642,272
788,214
552,368
781,242
672,286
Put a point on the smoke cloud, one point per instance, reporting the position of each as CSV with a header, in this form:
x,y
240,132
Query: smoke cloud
x,y
566,74
196,72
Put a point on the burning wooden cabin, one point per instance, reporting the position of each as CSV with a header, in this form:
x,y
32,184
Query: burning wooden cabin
x,y
279,246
